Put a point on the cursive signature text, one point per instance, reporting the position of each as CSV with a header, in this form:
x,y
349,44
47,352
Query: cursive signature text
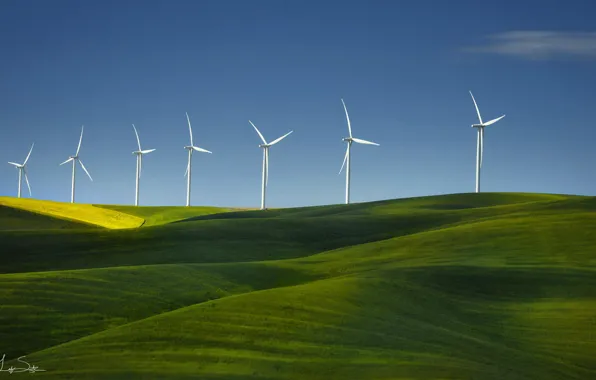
x,y
30,368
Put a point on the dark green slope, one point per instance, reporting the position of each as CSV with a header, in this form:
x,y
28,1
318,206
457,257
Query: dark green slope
x,y
13,219
43,309
256,236
208,241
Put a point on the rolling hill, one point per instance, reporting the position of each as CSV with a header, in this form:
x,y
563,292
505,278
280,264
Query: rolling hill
x,y
461,286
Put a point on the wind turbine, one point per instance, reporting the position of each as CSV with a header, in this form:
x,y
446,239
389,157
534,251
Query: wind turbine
x,y
480,141
139,153
265,145
347,157
74,160
190,148
23,170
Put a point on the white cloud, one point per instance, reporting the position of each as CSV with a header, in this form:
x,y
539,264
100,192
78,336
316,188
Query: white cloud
x,y
541,45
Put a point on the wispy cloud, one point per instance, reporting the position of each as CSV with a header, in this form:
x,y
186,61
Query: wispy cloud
x,y
541,45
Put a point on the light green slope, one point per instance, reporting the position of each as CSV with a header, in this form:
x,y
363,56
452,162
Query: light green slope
x,y
565,239
401,324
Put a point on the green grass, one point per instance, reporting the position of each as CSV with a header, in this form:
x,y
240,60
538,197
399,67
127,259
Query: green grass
x,y
462,286
17,219
73,304
158,215
74,212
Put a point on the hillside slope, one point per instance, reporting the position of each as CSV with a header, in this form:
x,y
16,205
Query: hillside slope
x,y
12,219
158,215
463,286
75,212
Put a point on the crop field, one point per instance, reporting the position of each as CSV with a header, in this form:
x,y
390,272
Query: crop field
x,y
464,286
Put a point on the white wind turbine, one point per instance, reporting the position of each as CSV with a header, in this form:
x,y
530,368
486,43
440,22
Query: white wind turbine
x,y
480,141
139,153
74,160
23,170
190,148
265,145
347,157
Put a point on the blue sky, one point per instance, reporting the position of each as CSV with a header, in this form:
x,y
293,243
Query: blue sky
x,y
403,68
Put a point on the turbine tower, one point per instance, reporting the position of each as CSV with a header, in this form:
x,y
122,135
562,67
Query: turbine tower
x,y
265,145
190,148
74,160
348,157
139,153
480,141
23,170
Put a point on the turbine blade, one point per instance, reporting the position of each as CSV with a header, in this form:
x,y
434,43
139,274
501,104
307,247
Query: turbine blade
x,y
147,151
347,117
360,141
70,159
266,166
186,171
493,121
80,140
200,149
260,135
137,134
140,164
27,180
477,110
189,128
15,164
345,159
85,169
279,139
27,159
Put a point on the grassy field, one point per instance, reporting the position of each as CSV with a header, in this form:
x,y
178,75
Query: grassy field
x,y
158,215
73,212
462,286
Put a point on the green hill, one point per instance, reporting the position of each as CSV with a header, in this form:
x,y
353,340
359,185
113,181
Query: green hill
x,y
462,286
17,219
74,212
157,215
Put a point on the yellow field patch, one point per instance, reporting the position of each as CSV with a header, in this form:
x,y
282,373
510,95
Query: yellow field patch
x,y
83,213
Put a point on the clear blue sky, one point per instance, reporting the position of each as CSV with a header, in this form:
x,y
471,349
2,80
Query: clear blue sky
x,y
404,69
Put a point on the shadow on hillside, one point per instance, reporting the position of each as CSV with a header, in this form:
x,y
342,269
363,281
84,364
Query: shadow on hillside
x,y
448,202
301,212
